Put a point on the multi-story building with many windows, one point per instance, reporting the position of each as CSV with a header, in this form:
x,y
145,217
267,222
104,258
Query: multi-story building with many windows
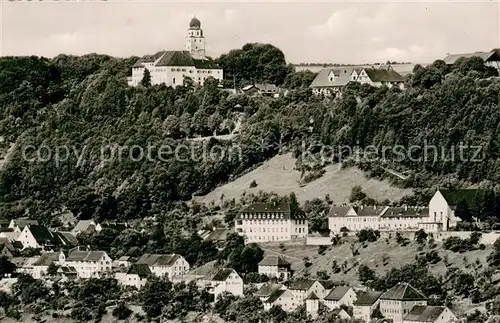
x,y
262,222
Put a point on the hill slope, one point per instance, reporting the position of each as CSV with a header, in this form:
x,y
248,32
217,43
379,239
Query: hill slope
x,y
278,175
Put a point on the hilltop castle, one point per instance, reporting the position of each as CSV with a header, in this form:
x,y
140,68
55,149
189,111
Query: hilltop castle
x,y
173,67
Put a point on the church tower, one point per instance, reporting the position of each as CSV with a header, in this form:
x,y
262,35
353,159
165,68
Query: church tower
x,y
195,42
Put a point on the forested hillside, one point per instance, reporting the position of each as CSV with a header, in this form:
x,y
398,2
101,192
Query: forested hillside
x,y
84,103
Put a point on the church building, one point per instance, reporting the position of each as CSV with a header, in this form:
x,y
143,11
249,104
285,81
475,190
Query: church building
x,y
173,67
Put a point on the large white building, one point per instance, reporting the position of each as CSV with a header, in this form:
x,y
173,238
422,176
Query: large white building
x,y
161,265
173,67
262,222
439,216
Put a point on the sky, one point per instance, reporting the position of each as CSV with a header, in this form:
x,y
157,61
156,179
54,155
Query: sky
x,y
324,32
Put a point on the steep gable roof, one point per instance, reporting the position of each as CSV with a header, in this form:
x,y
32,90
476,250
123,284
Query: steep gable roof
x,y
274,261
337,293
222,274
342,77
424,313
383,75
267,289
367,298
486,56
158,259
403,292
312,296
301,284
42,234
141,270
47,258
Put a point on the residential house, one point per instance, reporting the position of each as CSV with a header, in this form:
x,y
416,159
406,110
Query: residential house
x,y
266,290
312,305
123,261
490,58
170,265
340,295
430,314
331,81
284,298
136,276
341,314
226,280
397,302
301,288
19,224
378,77
365,304
218,236
25,265
262,222
88,264
275,266
264,89
87,226
7,248
10,235
40,237
41,266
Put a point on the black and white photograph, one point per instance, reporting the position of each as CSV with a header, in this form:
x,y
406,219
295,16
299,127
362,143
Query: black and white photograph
x,y
172,161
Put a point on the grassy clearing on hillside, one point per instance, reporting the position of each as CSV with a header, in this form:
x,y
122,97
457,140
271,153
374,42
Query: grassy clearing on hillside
x,y
278,175
373,256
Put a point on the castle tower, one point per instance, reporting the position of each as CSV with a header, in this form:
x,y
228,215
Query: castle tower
x,y
195,42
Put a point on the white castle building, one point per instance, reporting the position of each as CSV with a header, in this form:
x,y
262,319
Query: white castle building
x,y
439,216
172,67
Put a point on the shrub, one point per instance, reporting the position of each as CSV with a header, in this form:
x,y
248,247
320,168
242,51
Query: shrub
x,y
368,235
122,311
322,249
253,184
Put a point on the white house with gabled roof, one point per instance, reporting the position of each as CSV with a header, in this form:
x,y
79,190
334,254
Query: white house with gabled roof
x,y
165,265
226,280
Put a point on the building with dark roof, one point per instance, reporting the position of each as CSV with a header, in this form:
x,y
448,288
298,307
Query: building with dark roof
x,y
173,68
87,263
340,295
40,237
429,314
137,275
399,300
490,58
265,291
263,222
365,304
275,266
165,265
20,223
284,298
302,287
226,280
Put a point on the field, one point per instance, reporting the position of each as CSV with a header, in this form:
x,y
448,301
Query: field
x,y
278,175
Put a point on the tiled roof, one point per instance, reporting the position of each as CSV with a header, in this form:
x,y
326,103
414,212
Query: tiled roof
x,y
47,258
454,196
266,87
219,234
77,255
83,225
486,56
67,270
222,274
402,212
342,77
6,242
423,313
148,59
124,258
141,270
274,261
6,229
301,284
337,293
312,296
367,298
403,292
370,210
67,238
275,295
267,208
339,211
384,75
267,289
42,234
22,222
158,259
175,58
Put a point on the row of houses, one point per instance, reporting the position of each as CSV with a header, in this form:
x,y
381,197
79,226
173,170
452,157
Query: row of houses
x,y
402,303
